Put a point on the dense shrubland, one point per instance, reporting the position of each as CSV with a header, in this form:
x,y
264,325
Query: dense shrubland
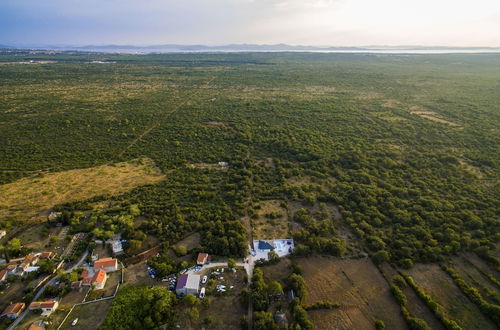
x,y
411,188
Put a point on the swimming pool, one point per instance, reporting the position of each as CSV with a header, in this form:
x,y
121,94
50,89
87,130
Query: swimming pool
x,y
278,245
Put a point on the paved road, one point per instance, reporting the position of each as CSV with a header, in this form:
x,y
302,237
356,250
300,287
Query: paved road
x,y
42,289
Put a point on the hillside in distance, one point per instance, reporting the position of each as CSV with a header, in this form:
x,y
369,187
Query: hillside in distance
x,y
382,168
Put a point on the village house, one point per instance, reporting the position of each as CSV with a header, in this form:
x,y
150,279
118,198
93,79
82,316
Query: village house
x,y
28,261
36,326
99,279
47,255
117,248
14,310
116,244
203,258
108,264
2,233
188,283
47,307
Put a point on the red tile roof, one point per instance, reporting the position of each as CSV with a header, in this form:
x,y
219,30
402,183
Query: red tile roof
x,y
105,262
99,276
202,258
35,327
47,255
16,308
85,273
42,304
29,258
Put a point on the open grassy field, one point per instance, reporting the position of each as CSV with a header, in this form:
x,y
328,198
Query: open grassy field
x,y
90,316
357,285
439,285
31,196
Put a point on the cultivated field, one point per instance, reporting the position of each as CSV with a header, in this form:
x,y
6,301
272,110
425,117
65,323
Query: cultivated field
x,y
440,286
29,197
357,285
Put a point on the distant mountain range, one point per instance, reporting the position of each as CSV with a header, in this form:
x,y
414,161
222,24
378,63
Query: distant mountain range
x,y
172,48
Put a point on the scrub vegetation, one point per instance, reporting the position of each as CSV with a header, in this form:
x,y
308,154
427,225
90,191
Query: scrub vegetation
x,y
405,148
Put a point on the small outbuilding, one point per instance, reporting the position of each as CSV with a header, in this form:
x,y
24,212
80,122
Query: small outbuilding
x,y
203,258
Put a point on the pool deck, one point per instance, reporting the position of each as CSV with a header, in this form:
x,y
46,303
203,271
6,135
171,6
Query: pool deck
x,y
282,246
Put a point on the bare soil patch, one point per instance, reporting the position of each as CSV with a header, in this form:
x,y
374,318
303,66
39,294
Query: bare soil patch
x,y
29,196
441,287
430,115
216,123
357,285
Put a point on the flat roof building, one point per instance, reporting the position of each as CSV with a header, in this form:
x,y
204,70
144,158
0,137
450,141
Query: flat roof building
x,y
188,283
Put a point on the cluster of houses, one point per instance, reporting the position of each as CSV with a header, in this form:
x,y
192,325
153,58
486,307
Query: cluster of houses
x,y
190,283
14,310
27,265
97,275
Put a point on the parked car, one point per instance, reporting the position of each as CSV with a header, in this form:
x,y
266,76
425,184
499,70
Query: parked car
x,y
75,321
202,293
204,280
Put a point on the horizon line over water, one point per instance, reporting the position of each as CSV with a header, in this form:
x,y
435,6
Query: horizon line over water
x,y
165,49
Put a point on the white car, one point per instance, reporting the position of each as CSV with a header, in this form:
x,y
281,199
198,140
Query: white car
x,y
204,280
75,321
202,293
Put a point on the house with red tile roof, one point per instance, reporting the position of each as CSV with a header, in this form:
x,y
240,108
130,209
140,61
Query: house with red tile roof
x,y
108,264
47,255
35,326
47,307
203,258
14,310
99,279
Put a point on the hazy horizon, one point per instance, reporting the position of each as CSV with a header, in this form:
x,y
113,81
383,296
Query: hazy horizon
x,y
336,23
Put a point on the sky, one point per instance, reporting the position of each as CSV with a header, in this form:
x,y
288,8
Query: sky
x,y
219,22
